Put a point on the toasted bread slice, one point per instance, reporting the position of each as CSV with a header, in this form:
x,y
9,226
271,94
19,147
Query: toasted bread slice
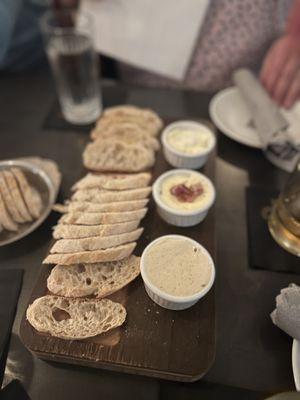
x,y
95,242
5,219
100,208
109,155
128,133
74,318
31,196
111,254
144,118
17,196
86,231
99,279
82,218
113,181
9,200
110,196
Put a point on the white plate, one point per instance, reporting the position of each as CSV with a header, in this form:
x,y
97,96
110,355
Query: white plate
x,y
230,114
296,363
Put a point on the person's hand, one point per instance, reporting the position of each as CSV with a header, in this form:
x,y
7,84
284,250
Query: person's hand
x,y
280,73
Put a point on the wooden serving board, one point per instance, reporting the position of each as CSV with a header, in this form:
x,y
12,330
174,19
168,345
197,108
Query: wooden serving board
x,y
175,345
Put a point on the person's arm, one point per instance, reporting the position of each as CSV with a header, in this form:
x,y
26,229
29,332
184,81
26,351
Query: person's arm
x,y
280,72
293,20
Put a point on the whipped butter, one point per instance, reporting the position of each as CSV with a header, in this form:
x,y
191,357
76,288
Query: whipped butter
x,y
177,267
186,191
190,141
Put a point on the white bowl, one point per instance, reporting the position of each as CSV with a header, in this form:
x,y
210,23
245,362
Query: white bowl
x,y
176,217
166,300
183,160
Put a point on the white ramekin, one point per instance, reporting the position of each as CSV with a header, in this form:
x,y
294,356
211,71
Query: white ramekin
x,y
176,217
182,160
166,300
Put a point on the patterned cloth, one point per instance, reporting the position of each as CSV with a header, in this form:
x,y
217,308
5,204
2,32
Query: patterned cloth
x,y
236,33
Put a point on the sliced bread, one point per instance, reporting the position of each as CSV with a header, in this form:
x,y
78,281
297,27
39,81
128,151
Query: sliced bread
x,y
95,242
9,200
128,133
144,117
86,231
5,219
104,207
82,218
31,196
107,196
115,156
74,318
113,181
111,254
17,196
99,280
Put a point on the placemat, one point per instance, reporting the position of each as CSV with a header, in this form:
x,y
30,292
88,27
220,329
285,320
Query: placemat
x,y
14,391
55,120
264,252
10,286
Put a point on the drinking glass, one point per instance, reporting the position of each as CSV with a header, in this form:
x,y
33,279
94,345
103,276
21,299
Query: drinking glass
x,y
69,47
284,220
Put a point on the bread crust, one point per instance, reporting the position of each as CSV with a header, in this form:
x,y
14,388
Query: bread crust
x,y
84,231
111,254
99,280
95,242
82,218
73,319
109,155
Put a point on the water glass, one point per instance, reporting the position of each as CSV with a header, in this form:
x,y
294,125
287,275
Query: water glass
x,y
74,63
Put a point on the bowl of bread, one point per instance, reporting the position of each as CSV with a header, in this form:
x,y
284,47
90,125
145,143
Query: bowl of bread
x,y
27,194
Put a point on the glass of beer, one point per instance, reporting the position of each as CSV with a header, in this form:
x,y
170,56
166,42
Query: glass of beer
x,y
74,63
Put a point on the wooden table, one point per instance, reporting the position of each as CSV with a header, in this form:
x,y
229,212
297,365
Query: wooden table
x,y
251,352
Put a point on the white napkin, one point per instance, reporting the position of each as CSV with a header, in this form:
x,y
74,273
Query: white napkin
x,y
287,313
281,148
156,35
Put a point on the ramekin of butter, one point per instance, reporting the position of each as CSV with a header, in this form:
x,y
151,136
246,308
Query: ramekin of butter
x,y
187,144
177,271
183,197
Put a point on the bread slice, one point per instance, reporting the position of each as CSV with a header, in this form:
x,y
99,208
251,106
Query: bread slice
x,y
31,196
82,218
85,231
17,196
95,242
111,254
99,280
105,207
110,196
9,200
5,219
115,156
143,117
113,181
74,318
128,133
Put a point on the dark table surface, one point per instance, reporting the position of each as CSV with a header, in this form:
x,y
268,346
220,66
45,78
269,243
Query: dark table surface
x,y
251,352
